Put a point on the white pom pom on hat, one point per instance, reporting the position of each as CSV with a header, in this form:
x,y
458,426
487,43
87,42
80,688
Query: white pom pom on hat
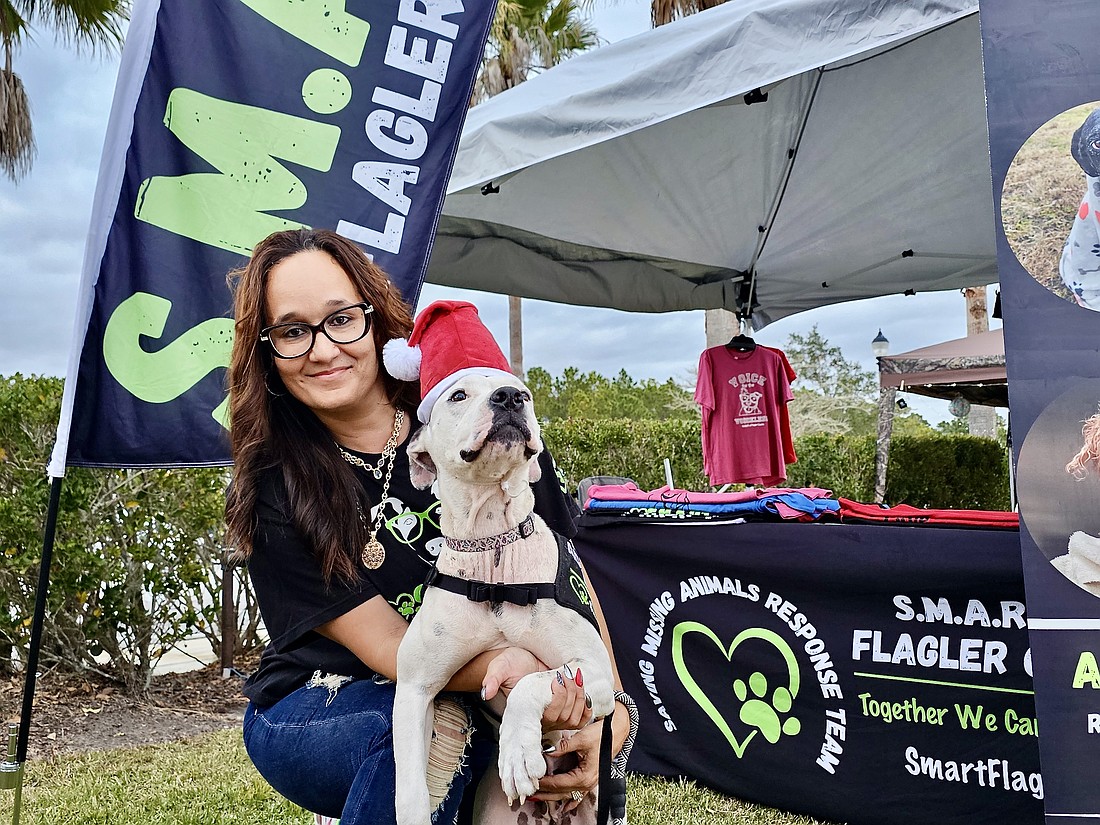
x,y
401,360
448,341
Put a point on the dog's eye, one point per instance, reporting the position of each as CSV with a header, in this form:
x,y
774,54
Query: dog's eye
x,y
458,395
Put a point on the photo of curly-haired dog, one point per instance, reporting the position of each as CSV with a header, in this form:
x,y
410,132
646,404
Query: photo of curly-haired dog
x,y
1059,484
1081,562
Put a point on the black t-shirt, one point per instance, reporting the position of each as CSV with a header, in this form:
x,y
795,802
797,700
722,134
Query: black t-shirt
x,y
291,591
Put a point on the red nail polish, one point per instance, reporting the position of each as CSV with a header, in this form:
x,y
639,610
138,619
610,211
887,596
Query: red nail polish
x,y
579,679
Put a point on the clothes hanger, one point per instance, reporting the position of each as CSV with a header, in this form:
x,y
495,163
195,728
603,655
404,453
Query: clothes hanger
x,y
742,342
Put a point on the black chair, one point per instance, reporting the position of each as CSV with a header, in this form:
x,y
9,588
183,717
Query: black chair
x,y
585,483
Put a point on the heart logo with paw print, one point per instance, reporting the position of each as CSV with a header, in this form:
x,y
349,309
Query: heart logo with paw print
x,y
759,711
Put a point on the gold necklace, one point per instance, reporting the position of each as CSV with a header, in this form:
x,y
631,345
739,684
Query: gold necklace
x,y
374,554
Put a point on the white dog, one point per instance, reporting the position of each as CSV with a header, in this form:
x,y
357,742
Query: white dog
x,y
480,446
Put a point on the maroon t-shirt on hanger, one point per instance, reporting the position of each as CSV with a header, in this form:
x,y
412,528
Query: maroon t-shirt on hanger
x,y
743,396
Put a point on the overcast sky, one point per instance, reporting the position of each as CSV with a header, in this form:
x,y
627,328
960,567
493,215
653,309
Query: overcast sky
x,y
44,222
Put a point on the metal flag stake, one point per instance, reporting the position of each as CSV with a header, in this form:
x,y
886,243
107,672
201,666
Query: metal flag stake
x,y
11,771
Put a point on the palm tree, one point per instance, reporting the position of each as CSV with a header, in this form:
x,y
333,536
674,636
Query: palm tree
x,y
665,11
526,37
82,23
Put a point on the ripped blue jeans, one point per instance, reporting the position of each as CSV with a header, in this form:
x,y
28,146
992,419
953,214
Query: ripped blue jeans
x,y
330,750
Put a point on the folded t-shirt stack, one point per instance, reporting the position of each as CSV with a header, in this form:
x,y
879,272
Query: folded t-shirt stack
x,y
792,504
854,511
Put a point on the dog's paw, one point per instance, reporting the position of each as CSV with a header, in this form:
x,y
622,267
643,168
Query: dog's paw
x,y
521,765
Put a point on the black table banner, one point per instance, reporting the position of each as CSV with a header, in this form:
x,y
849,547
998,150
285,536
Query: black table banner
x,y
861,673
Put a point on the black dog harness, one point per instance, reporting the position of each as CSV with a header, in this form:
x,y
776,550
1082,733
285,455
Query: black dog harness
x,y
568,588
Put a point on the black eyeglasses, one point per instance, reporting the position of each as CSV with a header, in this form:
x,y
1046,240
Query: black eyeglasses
x,y
344,326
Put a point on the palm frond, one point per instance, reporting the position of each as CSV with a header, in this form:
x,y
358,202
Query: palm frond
x,y
665,11
84,24
13,26
17,148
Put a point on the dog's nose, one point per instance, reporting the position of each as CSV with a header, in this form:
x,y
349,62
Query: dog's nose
x,y
507,398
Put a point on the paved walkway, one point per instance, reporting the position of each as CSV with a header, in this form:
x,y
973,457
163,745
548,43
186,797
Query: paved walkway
x,y
190,654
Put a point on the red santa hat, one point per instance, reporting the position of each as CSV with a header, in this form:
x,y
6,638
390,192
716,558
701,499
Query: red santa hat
x,y
448,342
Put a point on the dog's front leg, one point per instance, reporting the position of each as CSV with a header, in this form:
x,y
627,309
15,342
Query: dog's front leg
x,y
430,654
520,762
412,730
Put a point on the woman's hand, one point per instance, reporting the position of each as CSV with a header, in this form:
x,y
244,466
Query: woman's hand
x,y
568,708
506,669
584,777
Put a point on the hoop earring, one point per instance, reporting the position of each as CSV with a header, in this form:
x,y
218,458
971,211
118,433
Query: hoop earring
x,y
270,391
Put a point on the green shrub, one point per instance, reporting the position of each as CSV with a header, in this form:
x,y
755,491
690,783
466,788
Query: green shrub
x,y
624,447
957,471
842,463
136,556
939,471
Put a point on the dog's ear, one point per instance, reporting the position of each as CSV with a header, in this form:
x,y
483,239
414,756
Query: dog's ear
x,y
421,467
1079,147
1075,146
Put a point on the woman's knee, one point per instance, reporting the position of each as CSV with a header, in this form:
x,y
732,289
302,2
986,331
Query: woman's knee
x,y
312,751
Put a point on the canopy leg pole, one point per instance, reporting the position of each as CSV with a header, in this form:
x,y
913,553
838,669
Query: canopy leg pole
x,y
11,772
886,399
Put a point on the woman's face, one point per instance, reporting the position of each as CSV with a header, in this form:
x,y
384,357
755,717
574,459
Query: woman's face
x,y
333,380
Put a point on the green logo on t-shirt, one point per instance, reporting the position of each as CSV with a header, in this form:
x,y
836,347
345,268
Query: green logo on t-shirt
x,y
408,603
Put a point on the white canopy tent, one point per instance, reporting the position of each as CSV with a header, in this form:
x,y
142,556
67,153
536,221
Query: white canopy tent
x,y
815,151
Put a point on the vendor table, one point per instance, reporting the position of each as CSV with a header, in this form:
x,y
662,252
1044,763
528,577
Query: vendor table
x,y
861,673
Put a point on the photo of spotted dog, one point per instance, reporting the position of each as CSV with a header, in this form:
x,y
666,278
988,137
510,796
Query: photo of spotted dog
x,y
1049,205
1079,265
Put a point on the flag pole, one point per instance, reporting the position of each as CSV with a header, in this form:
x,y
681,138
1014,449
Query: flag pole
x,y
11,770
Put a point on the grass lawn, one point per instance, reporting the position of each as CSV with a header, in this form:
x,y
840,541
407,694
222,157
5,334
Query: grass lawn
x,y
209,781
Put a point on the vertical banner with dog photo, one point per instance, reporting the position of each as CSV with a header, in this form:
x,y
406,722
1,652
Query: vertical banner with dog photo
x,y
233,119
1042,69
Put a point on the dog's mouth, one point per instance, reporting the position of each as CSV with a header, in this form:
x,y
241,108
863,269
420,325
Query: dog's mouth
x,y
507,430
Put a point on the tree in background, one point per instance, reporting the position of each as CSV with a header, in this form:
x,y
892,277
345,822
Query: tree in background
x,y
590,395
719,324
665,11
528,36
833,395
82,23
137,556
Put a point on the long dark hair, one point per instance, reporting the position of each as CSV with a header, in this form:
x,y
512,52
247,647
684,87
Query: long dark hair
x,y
270,428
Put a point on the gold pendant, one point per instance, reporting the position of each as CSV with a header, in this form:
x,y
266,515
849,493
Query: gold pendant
x,y
374,554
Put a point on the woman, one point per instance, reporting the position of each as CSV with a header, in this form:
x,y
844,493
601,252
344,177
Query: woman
x,y
318,430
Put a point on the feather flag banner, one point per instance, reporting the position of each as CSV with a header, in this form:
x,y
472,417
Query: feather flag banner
x,y
233,119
